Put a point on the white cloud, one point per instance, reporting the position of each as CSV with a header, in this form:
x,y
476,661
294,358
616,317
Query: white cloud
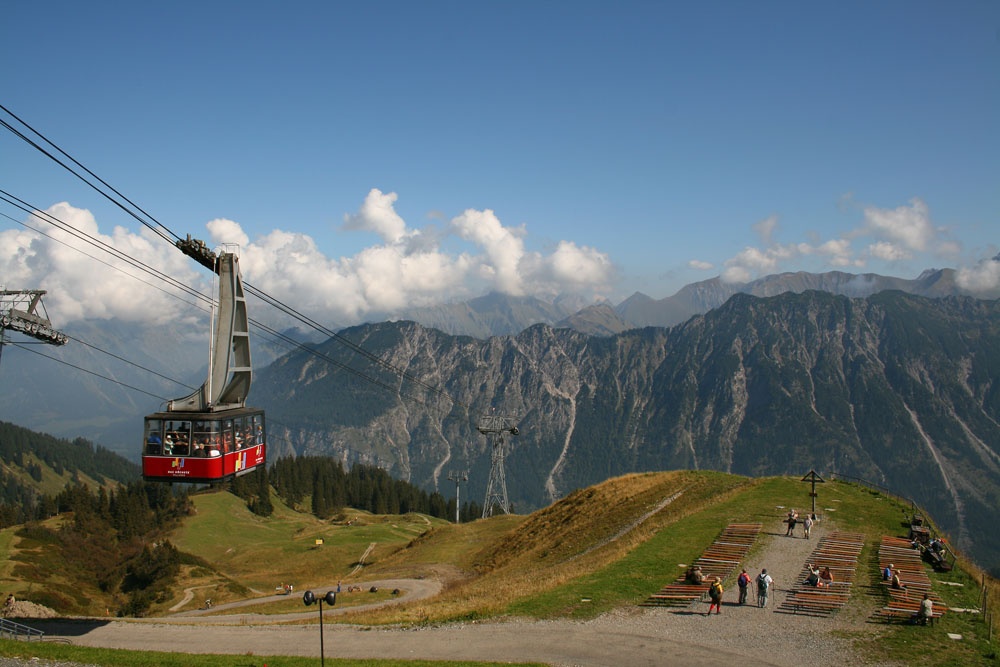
x,y
409,268
222,231
897,234
984,276
700,265
837,251
79,287
378,215
736,274
753,262
570,268
909,226
503,246
889,252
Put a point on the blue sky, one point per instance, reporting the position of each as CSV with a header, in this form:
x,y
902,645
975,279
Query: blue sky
x,y
531,147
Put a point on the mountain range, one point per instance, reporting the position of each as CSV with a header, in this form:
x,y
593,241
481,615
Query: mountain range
x,y
894,388
500,314
69,403
890,386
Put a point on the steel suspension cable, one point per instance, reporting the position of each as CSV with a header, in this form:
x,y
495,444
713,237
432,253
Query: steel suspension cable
x,y
157,229
79,368
16,132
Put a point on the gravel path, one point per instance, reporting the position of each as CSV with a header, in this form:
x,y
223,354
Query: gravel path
x,y
413,589
633,636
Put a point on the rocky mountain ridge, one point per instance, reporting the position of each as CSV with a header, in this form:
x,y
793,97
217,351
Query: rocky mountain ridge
x,y
51,397
894,388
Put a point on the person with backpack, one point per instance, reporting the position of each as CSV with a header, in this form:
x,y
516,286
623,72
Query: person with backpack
x,y
764,583
793,517
715,594
744,583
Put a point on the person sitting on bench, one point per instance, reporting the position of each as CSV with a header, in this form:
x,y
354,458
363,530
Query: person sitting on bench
x,y
896,583
925,613
695,576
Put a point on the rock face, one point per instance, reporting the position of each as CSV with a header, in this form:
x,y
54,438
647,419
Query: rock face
x,y
898,389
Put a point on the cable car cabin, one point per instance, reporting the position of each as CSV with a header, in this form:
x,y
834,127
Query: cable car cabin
x,y
203,447
210,435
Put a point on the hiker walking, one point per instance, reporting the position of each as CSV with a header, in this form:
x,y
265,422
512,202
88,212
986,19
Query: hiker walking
x,y
807,526
764,583
715,594
744,583
792,519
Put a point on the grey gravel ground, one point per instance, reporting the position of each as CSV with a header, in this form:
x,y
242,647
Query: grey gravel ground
x,y
780,639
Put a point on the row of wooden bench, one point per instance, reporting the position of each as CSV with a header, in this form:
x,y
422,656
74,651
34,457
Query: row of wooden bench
x,y
838,551
720,559
908,564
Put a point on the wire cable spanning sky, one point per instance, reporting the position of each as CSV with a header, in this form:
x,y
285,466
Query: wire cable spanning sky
x,y
370,158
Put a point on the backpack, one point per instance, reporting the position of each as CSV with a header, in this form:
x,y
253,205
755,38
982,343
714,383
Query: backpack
x,y
761,582
743,580
715,592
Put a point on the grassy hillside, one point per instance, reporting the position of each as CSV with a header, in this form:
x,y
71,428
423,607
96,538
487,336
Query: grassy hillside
x,y
262,553
547,551
544,566
51,482
601,548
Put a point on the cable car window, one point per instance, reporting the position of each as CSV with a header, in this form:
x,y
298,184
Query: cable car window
x,y
205,438
249,440
154,437
258,428
240,429
227,436
177,437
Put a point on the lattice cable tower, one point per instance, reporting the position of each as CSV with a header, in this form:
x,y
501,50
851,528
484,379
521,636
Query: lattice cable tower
x,y
19,311
494,427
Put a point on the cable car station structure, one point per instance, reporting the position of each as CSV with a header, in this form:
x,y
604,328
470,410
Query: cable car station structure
x,y
210,435
19,311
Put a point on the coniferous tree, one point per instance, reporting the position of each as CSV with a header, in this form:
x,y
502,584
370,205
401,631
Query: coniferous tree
x,y
319,506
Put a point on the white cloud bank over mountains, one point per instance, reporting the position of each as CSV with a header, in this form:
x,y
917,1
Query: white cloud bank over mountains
x,y
896,235
409,267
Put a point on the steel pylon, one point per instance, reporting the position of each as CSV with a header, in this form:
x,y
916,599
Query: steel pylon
x,y
494,426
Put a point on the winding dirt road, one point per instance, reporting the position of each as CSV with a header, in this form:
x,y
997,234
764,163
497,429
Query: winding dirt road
x,y
413,589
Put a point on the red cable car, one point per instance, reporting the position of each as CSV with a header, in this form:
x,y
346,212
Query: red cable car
x,y
210,435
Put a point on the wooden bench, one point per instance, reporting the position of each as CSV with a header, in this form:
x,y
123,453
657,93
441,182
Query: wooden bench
x,y
719,559
890,614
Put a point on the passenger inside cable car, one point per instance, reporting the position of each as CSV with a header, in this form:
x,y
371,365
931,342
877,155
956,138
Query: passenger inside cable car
x,y
154,441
